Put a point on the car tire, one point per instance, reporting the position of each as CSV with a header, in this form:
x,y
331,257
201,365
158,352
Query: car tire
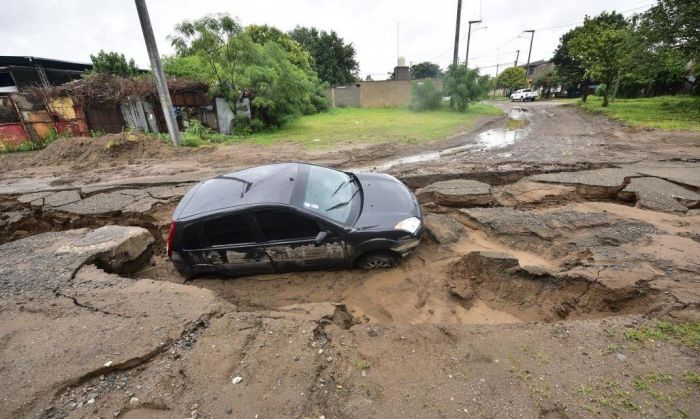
x,y
187,274
377,260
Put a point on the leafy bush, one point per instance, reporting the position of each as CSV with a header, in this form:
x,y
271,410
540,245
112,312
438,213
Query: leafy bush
x,y
257,125
189,140
196,129
464,86
425,96
241,126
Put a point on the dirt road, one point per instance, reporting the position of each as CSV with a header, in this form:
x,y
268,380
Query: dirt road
x,y
559,278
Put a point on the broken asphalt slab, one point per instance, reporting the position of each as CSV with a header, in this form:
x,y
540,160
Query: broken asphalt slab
x,y
64,321
660,195
456,192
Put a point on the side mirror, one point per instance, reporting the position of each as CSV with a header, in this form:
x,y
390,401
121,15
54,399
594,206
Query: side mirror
x,y
320,238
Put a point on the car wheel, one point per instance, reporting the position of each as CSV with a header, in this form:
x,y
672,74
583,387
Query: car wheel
x,y
377,261
187,274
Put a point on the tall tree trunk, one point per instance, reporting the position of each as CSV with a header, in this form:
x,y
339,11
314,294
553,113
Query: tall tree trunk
x,y
584,90
605,96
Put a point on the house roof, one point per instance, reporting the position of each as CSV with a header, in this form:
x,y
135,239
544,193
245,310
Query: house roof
x,y
28,61
535,63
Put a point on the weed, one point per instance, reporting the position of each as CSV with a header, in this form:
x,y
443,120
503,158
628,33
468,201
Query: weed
x,y
611,348
21,147
644,382
361,365
190,140
536,355
684,334
95,134
692,377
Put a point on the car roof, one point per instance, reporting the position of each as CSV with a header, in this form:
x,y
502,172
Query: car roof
x,y
269,184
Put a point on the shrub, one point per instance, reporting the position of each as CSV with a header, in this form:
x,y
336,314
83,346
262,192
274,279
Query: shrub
x,y
189,140
241,126
425,96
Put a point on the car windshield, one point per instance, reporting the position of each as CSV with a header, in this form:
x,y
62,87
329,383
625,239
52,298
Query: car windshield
x,y
329,193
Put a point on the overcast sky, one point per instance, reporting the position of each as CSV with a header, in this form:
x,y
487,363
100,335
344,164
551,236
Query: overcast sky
x,y
73,29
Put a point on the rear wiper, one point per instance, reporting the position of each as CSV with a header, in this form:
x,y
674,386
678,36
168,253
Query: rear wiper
x,y
342,204
247,184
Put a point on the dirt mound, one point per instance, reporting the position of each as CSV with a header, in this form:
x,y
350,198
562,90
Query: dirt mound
x,y
122,147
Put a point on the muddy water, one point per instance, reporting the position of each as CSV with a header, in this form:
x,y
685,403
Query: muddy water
x,y
415,292
516,128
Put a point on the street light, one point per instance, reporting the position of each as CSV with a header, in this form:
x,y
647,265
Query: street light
x,y
527,66
469,35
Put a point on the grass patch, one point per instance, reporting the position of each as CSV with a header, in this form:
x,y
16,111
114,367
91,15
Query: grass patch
x,y
684,334
644,382
31,145
662,112
361,365
365,125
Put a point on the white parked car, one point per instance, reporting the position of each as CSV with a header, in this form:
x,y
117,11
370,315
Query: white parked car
x,y
523,95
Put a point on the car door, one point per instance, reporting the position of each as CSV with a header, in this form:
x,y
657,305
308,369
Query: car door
x,y
290,241
234,247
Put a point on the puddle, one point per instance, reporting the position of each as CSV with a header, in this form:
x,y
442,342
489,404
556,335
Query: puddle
x,y
517,127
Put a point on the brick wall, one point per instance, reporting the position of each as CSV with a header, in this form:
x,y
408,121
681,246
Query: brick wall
x,y
375,94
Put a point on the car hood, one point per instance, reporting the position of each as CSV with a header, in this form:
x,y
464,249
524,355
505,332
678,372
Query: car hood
x,y
386,201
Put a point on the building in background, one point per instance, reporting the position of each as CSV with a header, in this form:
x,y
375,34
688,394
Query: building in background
x,y
18,73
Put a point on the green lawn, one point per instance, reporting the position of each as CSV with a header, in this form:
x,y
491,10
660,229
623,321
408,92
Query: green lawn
x,y
374,125
663,112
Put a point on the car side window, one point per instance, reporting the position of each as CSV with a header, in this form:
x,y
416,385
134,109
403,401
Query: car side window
x,y
230,229
286,225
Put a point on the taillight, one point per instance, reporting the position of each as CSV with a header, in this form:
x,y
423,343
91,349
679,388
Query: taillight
x,y
171,236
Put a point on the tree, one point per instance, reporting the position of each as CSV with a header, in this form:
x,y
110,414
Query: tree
x,y
462,85
333,59
207,38
512,78
190,66
667,37
261,34
426,69
425,96
113,63
570,70
674,24
259,62
546,82
602,48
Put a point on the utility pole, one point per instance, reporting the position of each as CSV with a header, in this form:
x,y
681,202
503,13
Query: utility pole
x,y
469,36
459,16
494,79
527,67
161,84
517,55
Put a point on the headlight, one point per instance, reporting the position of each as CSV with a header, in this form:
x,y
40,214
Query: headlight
x,y
409,224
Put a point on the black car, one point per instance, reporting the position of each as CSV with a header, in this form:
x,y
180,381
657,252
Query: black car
x,y
293,216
